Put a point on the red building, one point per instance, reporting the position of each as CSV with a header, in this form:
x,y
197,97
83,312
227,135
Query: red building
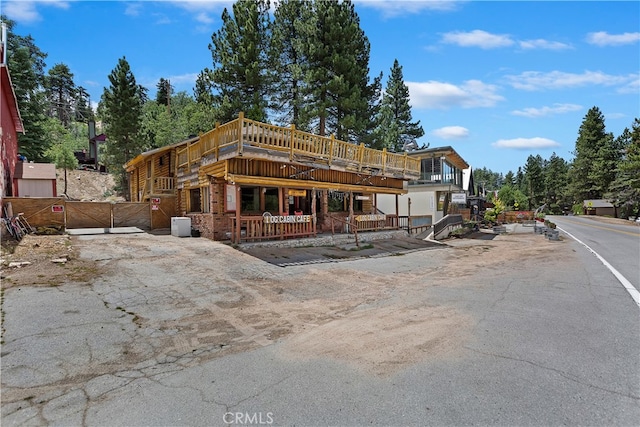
x,y
10,122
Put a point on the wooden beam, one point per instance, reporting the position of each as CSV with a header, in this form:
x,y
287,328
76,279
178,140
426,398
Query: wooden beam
x,y
308,185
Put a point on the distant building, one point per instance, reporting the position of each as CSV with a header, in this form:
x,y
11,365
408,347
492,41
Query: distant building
x,y
599,207
10,122
445,179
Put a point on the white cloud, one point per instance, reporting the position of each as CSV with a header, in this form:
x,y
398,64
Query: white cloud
x,y
451,132
441,95
204,5
204,18
183,78
543,44
547,111
26,11
602,38
536,80
526,143
632,87
133,9
395,8
477,38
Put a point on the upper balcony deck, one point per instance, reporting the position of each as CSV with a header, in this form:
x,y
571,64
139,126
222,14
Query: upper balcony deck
x,y
249,138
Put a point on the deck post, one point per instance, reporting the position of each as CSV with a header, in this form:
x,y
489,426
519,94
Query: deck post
x,y
397,207
331,149
384,159
240,136
291,141
313,210
351,219
238,205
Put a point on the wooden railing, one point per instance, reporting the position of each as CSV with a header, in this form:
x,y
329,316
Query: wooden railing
x,y
346,226
162,184
257,228
233,137
376,222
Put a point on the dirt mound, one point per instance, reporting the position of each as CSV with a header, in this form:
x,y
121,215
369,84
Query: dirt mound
x,y
87,185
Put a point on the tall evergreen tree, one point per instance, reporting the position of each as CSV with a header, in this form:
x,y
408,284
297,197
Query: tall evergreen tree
x,y
123,114
288,60
336,70
625,189
26,64
555,183
61,92
591,153
241,78
534,177
163,95
83,110
203,90
509,179
398,130
520,182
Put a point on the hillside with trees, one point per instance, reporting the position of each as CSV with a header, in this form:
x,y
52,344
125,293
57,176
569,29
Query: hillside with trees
x,y
275,67
603,167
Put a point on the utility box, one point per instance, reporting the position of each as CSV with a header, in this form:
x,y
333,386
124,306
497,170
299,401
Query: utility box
x,y
181,226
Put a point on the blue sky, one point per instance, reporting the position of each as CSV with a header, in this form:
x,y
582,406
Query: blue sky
x,y
497,81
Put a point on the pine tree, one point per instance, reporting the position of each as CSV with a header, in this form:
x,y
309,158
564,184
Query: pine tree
x,y
26,65
336,71
534,178
240,78
397,129
625,189
509,179
555,183
61,92
83,110
164,92
592,151
288,60
203,89
123,102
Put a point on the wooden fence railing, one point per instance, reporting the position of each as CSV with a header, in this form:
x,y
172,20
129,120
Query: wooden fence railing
x,y
232,138
260,227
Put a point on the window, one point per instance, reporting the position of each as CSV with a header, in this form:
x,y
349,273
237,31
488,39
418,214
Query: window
x,y
194,200
336,201
206,205
250,199
271,200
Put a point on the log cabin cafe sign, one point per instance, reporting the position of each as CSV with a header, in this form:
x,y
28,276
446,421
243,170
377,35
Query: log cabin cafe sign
x,y
284,219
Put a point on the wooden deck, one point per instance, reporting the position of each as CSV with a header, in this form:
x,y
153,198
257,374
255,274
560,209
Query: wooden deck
x,y
248,138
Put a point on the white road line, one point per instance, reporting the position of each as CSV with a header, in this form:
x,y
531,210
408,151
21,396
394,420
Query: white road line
x,y
623,280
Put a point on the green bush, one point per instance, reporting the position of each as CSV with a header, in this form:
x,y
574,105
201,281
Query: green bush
x,y
577,209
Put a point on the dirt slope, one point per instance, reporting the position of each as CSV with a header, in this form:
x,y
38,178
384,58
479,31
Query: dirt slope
x,y
87,185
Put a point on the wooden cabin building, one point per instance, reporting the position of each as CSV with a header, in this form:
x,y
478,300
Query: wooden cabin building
x,y
247,180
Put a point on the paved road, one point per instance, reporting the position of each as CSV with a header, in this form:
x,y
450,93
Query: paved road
x,y
618,244
514,331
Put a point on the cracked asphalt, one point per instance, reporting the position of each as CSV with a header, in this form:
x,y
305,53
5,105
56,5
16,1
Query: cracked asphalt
x,y
189,332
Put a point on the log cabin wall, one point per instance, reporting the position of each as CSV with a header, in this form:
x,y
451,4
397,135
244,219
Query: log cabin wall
x,y
312,171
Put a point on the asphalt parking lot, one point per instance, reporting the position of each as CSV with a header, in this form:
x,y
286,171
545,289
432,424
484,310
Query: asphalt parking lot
x,y
151,330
